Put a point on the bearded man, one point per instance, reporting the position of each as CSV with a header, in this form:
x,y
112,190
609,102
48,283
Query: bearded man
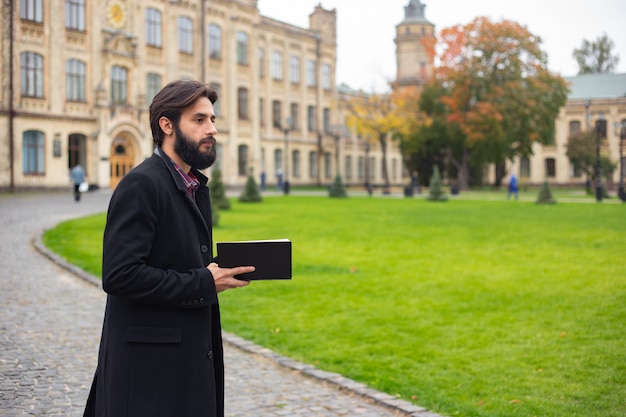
x,y
161,348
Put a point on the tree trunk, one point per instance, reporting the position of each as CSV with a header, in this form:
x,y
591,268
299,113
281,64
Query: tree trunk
x,y
462,169
382,139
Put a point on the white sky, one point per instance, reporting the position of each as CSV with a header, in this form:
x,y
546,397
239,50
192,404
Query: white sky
x,y
366,29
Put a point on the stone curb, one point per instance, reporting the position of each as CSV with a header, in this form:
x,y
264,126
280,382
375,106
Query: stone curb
x,y
402,407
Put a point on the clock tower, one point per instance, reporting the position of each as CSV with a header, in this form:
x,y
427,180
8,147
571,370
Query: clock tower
x,y
414,65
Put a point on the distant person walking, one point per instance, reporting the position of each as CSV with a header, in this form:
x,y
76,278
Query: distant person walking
x,y
77,174
513,187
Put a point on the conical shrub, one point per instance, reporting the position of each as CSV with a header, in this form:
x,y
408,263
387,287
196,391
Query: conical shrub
x,y
545,195
435,189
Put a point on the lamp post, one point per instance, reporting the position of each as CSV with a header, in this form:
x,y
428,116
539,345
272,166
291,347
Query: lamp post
x,y
337,131
622,135
600,133
287,129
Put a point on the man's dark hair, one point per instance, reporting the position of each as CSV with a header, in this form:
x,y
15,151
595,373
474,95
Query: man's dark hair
x,y
172,100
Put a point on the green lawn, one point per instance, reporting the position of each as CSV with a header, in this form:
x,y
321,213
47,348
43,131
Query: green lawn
x,y
467,308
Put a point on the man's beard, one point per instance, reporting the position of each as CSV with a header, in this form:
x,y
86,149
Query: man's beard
x,y
190,152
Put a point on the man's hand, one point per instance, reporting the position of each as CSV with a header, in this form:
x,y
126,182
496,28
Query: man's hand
x,y
225,277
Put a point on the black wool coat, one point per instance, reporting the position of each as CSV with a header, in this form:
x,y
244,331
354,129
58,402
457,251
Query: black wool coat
x,y
161,348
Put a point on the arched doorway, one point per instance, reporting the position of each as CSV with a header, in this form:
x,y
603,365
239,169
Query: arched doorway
x,y
122,159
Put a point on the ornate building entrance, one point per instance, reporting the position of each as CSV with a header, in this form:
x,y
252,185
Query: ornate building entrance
x,y
122,159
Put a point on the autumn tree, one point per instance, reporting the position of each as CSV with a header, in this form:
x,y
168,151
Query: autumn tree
x,y
493,96
581,151
376,117
597,56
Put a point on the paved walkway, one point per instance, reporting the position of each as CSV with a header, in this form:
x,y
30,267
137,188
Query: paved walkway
x,y
50,322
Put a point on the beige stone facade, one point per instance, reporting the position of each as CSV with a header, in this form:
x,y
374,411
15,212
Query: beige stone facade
x,y
591,97
78,76
84,72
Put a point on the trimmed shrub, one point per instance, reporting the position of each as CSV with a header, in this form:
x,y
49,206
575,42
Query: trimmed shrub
x,y
435,189
337,189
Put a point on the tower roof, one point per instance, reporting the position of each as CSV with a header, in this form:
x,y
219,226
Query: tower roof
x,y
414,12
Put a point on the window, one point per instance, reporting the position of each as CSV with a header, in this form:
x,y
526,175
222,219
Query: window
x,y
327,165
242,160
326,76
276,66
261,112
33,153
153,85
77,150
295,124
294,69
312,164
311,118
310,74
348,167
153,27
574,127
215,41
278,161
31,74
118,85
326,120
261,57
360,168
217,107
524,168
550,167
242,48
394,168
276,116
242,103
185,35
31,10
295,163
75,15
75,80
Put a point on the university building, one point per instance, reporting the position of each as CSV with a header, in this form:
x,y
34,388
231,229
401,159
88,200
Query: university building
x,y
78,77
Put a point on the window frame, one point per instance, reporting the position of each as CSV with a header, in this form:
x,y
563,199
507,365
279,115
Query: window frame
x,y
243,103
154,27
185,35
75,15
75,80
119,85
31,74
276,65
214,43
31,10
294,69
243,45
33,152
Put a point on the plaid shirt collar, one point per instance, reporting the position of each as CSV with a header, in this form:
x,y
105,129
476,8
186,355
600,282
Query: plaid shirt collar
x,y
190,180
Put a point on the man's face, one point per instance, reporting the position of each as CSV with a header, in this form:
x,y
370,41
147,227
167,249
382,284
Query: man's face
x,y
195,135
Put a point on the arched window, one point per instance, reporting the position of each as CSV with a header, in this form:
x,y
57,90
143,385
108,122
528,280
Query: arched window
x,y
31,74
33,161
75,80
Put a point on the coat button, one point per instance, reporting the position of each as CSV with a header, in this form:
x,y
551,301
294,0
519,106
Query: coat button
x,y
210,355
204,248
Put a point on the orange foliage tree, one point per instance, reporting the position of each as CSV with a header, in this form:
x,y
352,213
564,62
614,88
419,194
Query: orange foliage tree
x,y
492,96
